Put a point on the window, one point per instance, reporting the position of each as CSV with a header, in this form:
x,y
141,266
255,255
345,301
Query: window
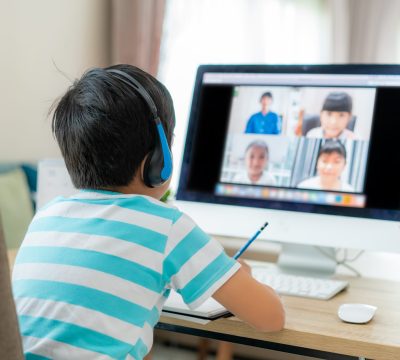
x,y
240,31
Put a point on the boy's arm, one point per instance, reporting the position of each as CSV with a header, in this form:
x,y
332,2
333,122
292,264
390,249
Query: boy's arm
x,y
252,301
197,267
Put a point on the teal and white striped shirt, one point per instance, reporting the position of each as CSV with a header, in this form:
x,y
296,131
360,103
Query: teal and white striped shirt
x,y
95,269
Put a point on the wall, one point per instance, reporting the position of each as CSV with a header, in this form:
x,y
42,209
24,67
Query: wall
x,y
44,44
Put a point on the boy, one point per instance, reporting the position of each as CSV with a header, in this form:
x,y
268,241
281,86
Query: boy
x,y
256,160
335,116
331,162
265,121
95,269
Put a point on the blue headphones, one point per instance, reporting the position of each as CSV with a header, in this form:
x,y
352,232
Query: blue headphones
x,y
158,166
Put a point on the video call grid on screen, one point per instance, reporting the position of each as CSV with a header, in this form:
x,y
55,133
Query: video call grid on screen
x,y
299,137
209,125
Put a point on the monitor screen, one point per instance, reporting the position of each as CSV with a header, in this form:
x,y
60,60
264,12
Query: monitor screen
x,y
314,139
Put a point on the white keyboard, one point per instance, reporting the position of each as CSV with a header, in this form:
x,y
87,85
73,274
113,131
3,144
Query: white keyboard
x,y
303,286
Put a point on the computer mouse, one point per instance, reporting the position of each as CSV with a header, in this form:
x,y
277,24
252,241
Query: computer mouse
x,y
356,313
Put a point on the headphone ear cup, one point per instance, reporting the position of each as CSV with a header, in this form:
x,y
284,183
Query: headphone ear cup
x,y
152,168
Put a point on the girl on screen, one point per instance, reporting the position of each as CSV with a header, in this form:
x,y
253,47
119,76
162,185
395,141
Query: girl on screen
x,y
330,165
256,161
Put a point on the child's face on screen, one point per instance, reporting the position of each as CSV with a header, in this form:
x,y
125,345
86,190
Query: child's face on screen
x,y
266,102
334,122
256,160
330,165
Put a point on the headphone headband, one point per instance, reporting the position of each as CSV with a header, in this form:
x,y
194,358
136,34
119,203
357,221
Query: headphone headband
x,y
130,81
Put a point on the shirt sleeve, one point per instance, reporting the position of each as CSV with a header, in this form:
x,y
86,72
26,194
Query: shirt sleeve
x,y
276,121
250,126
315,133
278,124
195,265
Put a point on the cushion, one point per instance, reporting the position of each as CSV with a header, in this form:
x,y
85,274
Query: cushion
x,y
16,209
30,170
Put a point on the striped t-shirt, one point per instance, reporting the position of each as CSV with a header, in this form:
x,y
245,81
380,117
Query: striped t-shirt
x,y
95,269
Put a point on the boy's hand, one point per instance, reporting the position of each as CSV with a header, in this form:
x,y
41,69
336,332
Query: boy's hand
x,y
245,266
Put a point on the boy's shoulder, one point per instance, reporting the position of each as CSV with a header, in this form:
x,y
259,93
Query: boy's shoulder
x,y
315,132
129,202
136,202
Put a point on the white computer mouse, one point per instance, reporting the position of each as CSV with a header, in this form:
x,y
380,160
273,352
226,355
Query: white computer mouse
x,y
356,313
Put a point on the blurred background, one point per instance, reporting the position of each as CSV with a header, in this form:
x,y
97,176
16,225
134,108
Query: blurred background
x,y
46,44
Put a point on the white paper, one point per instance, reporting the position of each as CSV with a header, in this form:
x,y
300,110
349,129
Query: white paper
x,y
53,181
210,308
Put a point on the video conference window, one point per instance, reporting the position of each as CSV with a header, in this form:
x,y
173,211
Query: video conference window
x,y
333,165
259,160
313,138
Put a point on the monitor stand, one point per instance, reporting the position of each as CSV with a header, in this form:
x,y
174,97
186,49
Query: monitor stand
x,y
307,260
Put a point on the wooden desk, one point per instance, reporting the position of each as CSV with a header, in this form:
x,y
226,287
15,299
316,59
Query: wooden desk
x,y
313,328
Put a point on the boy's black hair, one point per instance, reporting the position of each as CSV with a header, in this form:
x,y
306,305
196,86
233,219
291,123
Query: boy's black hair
x,y
332,146
266,94
105,129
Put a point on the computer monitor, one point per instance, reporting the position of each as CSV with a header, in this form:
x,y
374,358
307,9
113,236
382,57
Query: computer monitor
x,y
314,150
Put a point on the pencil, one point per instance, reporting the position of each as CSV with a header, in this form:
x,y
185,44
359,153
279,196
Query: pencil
x,y
245,246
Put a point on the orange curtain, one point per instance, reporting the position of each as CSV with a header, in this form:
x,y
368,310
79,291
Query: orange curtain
x,y
136,29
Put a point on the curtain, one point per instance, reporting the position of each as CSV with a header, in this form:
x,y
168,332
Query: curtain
x,y
136,29
364,31
305,161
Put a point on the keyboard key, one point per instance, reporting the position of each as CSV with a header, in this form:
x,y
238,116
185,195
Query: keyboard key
x,y
294,285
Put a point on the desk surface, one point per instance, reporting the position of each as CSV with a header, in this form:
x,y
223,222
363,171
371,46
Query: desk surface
x,y
314,325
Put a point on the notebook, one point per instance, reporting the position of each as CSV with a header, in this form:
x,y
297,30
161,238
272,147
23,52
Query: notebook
x,y
210,309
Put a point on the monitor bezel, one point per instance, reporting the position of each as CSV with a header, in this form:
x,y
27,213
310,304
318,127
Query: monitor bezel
x,y
196,196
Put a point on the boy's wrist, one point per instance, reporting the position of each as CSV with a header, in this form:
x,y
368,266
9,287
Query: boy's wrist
x,y
244,266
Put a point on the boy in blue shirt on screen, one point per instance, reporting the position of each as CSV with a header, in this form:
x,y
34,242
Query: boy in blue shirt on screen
x,y
95,269
265,121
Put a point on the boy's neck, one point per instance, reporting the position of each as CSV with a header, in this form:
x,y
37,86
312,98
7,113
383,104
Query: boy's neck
x,y
132,190
137,187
